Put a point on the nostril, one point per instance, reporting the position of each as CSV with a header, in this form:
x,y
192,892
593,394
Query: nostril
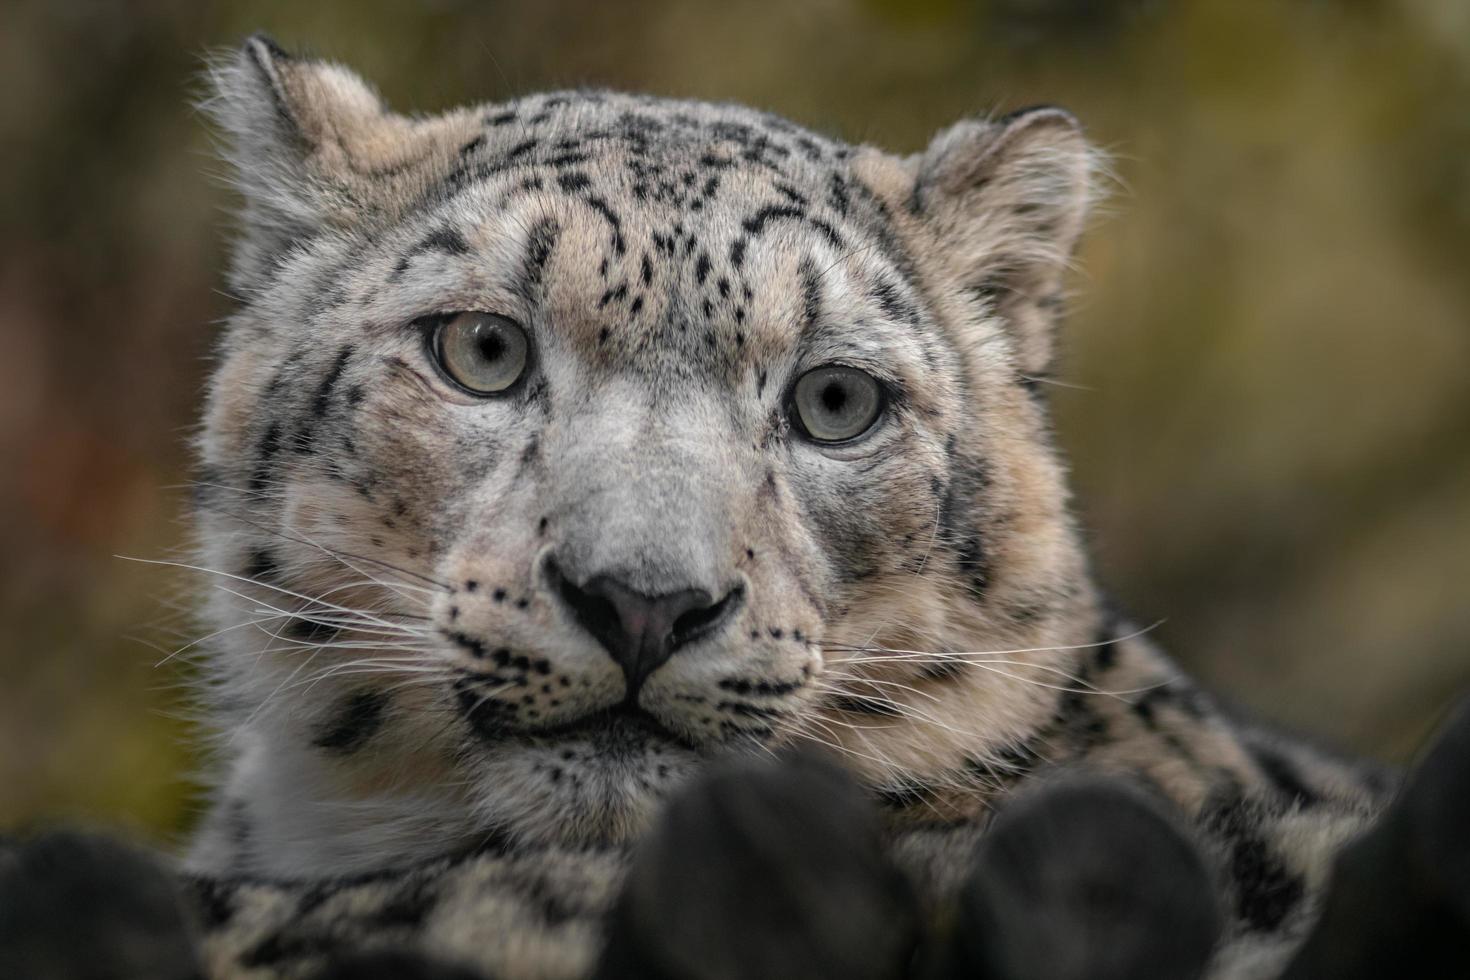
x,y
594,613
695,623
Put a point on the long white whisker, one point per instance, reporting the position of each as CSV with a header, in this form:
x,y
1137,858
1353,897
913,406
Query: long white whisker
x,y
241,578
1018,650
336,554
895,684
338,557
907,711
179,651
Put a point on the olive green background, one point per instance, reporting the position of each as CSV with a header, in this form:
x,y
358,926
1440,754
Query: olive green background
x,y
1265,399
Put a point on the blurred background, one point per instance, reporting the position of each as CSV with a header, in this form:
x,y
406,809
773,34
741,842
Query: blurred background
x,y
1267,406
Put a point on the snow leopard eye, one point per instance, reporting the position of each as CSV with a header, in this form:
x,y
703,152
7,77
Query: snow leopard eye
x,y
483,353
836,404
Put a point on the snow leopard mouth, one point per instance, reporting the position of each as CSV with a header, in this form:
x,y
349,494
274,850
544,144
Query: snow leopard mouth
x,y
625,726
619,729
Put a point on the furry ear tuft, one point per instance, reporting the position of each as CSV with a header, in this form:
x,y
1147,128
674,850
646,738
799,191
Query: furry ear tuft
x,y
1006,201
295,131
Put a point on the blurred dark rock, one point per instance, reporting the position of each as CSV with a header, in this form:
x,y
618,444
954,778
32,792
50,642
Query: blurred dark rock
x,y
77,906
764,870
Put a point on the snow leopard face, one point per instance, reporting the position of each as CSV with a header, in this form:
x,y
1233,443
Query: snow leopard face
x,y
561,444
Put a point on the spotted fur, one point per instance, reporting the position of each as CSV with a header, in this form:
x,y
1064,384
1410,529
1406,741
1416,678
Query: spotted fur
x,y
408,710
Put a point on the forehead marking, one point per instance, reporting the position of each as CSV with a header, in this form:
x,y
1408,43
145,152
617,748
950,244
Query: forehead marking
x,y
540,243
446,240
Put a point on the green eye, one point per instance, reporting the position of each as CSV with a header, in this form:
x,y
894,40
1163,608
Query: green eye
x,y
484,353
836,404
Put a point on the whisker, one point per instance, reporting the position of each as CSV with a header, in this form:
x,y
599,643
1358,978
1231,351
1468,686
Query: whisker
x,y
203,639
906,711
422,677
993,665
336,554
335,620
237,578
836,745
1075,646
902,687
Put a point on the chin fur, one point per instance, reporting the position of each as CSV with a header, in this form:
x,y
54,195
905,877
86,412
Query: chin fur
x,y
578,791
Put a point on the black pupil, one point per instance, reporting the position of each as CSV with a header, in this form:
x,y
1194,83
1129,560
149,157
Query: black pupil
x,y
834,397
491,344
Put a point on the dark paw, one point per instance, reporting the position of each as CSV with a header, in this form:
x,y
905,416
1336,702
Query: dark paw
x,y
763,870
1400,895
82,907
396,965
1085,880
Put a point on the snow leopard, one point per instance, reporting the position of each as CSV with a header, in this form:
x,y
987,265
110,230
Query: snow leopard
x,y
566,460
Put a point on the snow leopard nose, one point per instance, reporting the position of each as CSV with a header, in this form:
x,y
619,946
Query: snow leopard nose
x,y
640,632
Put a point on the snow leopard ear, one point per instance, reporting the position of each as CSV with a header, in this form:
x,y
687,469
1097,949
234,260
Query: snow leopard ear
x,y
284,121
312,147
1005,201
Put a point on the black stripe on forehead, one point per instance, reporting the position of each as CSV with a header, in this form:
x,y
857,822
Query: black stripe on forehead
x,y
601,206
473,173
894,300
758,222
890,288
446,240
866,208
540,243
880,285
580,187
811,294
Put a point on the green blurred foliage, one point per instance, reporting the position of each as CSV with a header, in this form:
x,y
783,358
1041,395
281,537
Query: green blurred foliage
x,y
1265,395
